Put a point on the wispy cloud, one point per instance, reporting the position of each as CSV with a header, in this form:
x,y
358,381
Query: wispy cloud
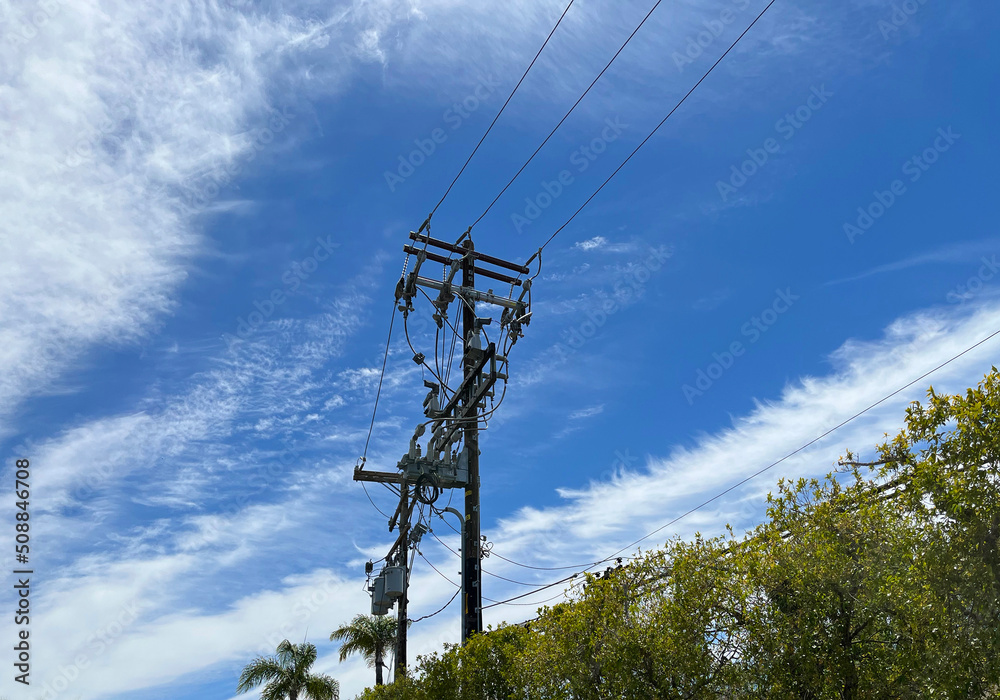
x,y
961,253
591,243
114,134
587,412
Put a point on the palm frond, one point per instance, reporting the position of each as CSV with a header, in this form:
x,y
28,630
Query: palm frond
x,y
288,672
286,654
305,654
258,672
321,687
365,635
275,691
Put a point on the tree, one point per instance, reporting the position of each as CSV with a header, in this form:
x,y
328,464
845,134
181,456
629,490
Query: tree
x,y
854,588
286,675
368,635
947,459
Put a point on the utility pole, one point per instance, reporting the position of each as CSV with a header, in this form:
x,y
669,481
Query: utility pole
x,y
472,575
401,560
422,476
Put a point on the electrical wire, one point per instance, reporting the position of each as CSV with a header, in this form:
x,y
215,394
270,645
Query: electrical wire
x,y
451,357
423,363
436,569
546,568
655,129
509,97
566,116
537,602
378,393
442,609
765,469
490,573
373,502
508,601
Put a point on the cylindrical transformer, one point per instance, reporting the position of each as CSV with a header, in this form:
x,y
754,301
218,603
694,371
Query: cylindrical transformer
x,y
380,603
394,576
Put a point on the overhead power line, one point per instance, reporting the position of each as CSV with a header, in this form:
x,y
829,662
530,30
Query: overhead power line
x,y
566,116
438,512
670,114
749,478
441,609
490,128
381,512
378,392
545,568
508,601
488,573
438,570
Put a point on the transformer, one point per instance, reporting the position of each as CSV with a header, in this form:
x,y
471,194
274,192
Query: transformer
x,y
380,602
394,577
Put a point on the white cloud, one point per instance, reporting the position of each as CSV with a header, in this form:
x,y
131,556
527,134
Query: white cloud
x,y
111,129
587,412
591,243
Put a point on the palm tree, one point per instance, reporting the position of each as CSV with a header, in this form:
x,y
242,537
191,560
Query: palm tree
x,y
370,636
286,675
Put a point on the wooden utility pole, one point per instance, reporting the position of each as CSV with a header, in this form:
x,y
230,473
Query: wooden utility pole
x,y
402,560
472,576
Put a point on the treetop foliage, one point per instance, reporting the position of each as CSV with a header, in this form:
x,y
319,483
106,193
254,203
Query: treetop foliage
x,y
880,581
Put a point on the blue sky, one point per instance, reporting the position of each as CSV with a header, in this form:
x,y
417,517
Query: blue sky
x,y
169,172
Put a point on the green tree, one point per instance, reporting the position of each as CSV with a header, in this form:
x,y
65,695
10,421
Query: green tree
x,y
840,603
286,675
369,635
947,462
854,588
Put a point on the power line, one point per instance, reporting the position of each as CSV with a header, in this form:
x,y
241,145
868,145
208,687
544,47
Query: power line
x,y
566,116
436,569
676,107
489,573
378,392
437,512
373,502
537,602
545,568
442,609
538,590
558,22
758,472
